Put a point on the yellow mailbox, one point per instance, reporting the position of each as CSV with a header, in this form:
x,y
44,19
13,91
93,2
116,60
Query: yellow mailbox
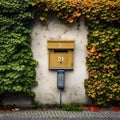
x,y
60,54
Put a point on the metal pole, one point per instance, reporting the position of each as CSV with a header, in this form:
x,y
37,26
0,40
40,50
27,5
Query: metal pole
x,y
60,98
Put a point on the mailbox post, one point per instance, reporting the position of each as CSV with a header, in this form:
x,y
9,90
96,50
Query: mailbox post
x,y
60,58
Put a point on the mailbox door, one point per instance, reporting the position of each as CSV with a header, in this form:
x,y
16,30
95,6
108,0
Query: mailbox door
x,y
61,60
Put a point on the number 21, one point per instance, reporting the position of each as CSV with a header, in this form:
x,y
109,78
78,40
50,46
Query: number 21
x,y
60,59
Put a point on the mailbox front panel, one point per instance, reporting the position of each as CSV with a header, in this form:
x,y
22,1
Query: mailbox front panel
x,y
61,60
60,54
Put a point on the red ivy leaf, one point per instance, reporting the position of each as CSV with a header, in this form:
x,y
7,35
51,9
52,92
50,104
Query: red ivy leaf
x,y
95,109
117,109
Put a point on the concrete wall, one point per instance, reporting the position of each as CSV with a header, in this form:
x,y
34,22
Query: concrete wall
x,y
46,91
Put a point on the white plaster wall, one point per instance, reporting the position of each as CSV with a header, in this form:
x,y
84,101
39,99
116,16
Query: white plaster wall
x,y
46,91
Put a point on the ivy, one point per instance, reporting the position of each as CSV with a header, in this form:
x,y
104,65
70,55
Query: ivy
x,y
17,66
66,10
103,84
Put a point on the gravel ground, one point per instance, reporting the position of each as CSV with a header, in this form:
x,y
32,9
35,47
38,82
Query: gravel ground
x,y
59,115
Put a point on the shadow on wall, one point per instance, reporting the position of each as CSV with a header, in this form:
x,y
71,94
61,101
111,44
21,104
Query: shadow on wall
x,y
18,99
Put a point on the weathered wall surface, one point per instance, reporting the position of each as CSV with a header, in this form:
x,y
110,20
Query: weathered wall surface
x,y
46,91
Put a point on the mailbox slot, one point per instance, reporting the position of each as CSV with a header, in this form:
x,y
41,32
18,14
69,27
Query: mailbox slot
x,y
60,54
63,51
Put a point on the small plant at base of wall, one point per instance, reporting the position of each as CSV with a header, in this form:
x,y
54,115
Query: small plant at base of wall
x,y
72,107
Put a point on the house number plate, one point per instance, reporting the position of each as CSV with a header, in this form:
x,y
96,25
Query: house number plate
x,y
60,59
